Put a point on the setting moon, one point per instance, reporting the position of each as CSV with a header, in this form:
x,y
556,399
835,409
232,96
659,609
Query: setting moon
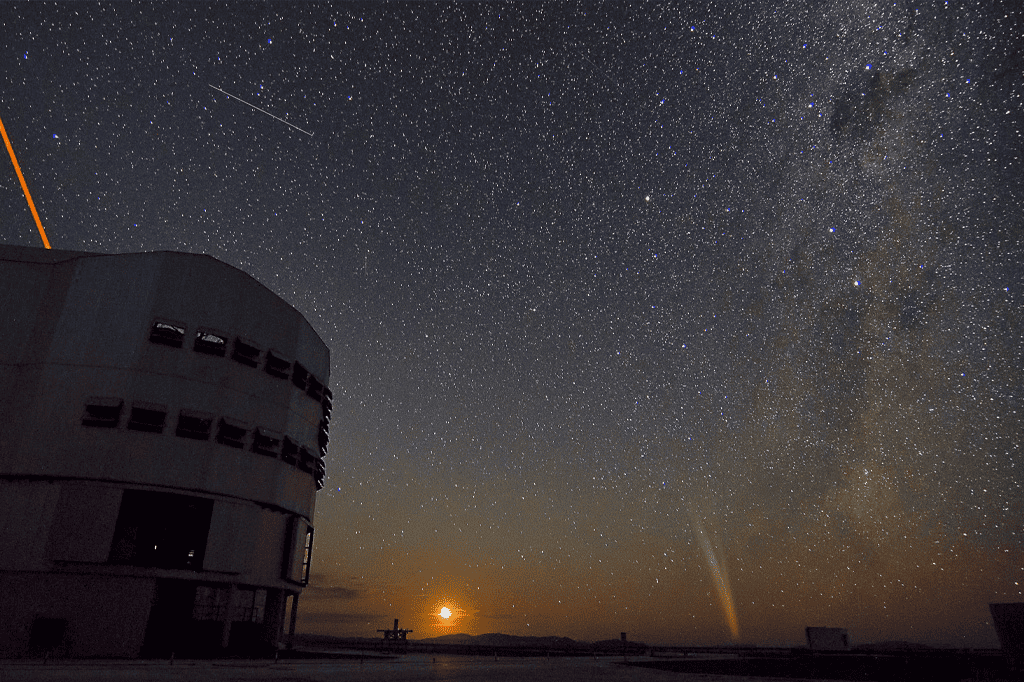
x,y
445,613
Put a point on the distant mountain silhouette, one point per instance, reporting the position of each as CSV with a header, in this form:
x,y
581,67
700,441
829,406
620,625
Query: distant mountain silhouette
x,y
503,641
493,642
617,646
498,639
899,645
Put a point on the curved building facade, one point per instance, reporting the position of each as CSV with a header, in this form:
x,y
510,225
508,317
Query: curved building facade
x,y
163,425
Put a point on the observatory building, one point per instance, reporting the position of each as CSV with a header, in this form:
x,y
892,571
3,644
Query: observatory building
x,y
163,424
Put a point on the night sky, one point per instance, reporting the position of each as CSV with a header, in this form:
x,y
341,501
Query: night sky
x,y
700,322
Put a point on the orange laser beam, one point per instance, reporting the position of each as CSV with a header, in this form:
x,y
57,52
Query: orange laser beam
x,y
24,186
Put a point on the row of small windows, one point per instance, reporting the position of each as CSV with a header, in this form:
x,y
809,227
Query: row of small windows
x,y
152,418
276,365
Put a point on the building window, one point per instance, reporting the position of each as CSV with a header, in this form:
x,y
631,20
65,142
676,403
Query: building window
x,y
249,605
315,389
327,403
102,412
211,603
161,530
266,442
231,432
307,555
323,438
210,343
306,460
320,474
195,425
147,417
300,377
299,552
167,333
277,365
290,451
246,353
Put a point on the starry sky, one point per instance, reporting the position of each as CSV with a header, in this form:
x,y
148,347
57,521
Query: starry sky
x,y
697,321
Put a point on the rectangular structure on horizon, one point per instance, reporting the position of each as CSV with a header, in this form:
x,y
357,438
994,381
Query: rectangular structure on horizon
x,y
828,639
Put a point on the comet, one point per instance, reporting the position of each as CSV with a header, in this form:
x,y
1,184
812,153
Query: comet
x,y
720,577
264,111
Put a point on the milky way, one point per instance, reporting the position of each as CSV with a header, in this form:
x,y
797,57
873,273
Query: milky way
x,y
619,297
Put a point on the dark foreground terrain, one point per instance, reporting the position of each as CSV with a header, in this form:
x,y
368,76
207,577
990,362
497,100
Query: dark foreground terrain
x,y
934,666
355,666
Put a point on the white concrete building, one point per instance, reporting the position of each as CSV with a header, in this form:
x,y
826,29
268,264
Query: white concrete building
x,y
163,423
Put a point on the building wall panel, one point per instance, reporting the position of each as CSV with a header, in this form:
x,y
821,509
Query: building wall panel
x,y
105,615
26,511
83,523
233,531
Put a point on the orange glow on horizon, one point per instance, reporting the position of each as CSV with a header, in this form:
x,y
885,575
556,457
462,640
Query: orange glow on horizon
x,y
448,605
447,615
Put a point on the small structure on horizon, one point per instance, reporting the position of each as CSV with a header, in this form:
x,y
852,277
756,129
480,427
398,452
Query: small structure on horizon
x,y
828,639
395,635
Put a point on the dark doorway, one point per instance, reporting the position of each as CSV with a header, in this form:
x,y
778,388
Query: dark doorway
x,y
170,621
47,636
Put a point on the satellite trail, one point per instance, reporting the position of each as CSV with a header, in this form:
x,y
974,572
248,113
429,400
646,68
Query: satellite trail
x,y
261,110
